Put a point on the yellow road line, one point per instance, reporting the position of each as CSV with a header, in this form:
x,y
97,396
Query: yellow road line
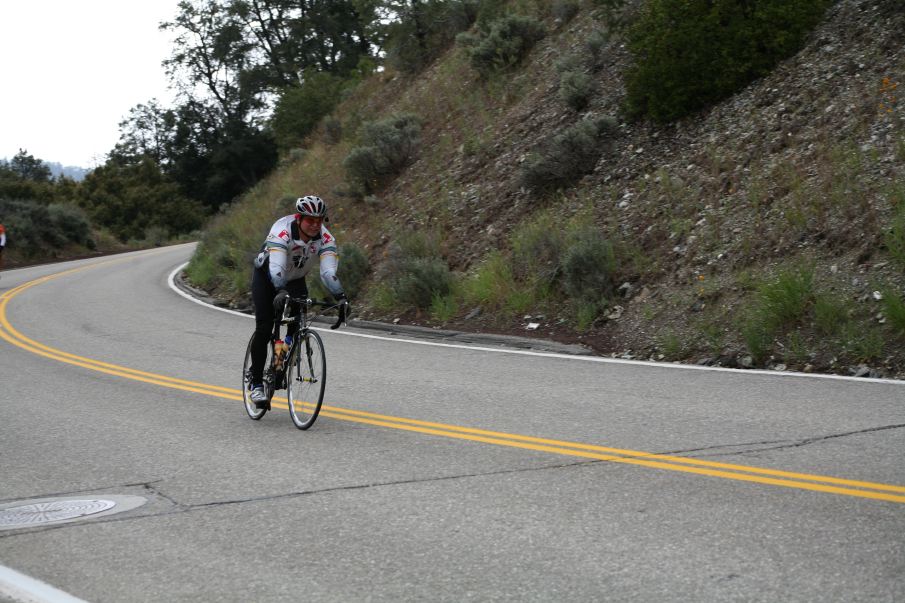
x,y
774,477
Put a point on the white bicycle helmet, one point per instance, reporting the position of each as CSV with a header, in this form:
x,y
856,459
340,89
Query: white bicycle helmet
x,y
311,205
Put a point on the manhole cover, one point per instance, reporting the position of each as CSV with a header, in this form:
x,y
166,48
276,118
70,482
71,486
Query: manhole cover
x,y
31,513
52,511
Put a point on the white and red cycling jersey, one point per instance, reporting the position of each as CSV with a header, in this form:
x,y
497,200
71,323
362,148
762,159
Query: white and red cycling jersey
x,y
292,258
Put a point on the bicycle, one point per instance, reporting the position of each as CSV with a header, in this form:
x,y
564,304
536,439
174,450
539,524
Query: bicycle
x,y
302,374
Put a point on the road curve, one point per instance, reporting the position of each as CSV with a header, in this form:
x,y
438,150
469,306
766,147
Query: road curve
x,y
435,472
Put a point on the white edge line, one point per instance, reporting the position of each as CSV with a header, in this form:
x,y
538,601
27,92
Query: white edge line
x,y
647,363
20,587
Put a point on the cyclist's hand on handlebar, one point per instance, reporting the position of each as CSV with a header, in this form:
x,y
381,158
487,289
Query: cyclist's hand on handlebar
x,y
345,309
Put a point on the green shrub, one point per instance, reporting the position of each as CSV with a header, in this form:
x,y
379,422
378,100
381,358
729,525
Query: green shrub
x,y
689,54
387,146
862,343
201,271
671,345
503,44
564,10
830,314
894,237
585,315
779,305
415,271
69,224
537,245
758,338
383,298
570,155
614,14
36,229
443,307
491,283
576,89
894,309
420,280
786,300
353,268
156,235
587,265
594,46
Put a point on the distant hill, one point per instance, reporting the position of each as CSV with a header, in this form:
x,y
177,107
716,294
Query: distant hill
x,y
58,169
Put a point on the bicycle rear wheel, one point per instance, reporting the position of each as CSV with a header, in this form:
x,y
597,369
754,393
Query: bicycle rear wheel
x,y
306,378
253,411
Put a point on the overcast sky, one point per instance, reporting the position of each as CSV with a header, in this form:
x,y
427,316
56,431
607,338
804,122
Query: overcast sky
x,y
70,72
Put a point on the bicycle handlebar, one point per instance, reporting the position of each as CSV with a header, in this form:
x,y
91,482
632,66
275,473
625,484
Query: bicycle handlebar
x,y
283,298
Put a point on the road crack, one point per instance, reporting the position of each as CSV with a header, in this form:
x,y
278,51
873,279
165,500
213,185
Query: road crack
x,y
766,445
180,508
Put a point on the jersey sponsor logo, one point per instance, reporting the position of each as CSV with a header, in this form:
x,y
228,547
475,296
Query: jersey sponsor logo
x,y
299,260
327,238
284,235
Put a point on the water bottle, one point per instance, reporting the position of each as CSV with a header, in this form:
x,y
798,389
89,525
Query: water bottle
x,y
279,350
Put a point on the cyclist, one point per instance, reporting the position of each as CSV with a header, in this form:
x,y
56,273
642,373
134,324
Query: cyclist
x,y
280,268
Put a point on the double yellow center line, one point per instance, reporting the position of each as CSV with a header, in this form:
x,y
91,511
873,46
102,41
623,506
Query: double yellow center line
x,y
774,477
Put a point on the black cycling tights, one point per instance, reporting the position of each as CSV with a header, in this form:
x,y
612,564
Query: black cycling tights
x,y
262,293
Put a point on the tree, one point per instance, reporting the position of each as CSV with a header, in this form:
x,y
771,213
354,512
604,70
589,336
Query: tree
x,y
422,29
29,168
129,199
300,108
27,178
147,132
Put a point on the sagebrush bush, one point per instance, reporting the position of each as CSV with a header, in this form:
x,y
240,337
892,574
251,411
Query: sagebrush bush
x,y
503,44
564,10
690,54
415,271
536,248
353,268
420,280
587,266
594,46
576,89
34,229
70,224
387,146
568,156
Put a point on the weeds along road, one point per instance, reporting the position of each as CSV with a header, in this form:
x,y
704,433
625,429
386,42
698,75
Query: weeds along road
x,y
434,472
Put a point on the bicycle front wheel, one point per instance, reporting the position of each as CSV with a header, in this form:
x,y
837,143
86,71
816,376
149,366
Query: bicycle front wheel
x,y
306,377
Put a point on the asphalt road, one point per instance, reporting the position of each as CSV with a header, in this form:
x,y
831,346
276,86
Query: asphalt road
x,y
435,473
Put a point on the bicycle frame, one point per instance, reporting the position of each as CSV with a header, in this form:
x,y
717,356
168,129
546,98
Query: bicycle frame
x,y
302,322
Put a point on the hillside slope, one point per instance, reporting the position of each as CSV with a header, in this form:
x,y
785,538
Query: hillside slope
x,y
802,172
